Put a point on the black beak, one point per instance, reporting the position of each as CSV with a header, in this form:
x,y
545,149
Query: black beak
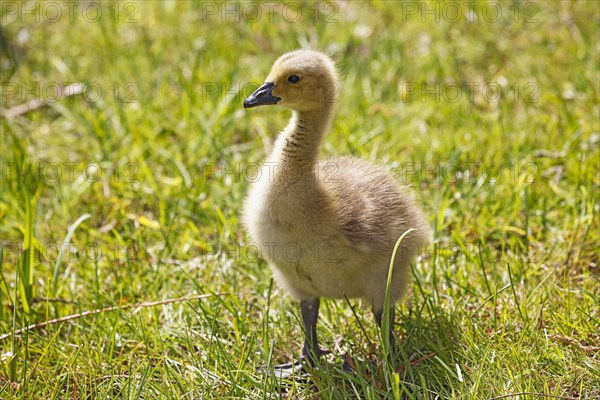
x,y
262,96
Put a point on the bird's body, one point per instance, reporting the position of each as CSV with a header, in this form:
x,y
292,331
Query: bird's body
x,y
327,228
331,233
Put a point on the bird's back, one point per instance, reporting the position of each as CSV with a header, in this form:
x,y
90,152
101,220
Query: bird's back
x,y
371,208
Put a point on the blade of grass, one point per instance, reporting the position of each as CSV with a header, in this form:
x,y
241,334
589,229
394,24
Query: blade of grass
x,y
61,252
385,322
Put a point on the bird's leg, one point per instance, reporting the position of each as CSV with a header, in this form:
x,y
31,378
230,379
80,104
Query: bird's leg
x,y
379,319
310,314
310,351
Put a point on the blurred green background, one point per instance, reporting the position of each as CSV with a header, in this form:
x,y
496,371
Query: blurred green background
x,y
488,110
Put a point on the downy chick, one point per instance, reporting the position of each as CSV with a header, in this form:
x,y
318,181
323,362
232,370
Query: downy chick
x,y
328,228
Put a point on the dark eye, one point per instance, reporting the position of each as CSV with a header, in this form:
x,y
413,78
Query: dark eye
x,y
293,78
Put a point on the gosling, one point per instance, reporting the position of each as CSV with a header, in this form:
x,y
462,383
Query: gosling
x,y
328,228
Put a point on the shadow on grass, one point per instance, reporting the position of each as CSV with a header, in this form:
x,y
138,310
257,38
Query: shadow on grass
x,y
424,365
427,357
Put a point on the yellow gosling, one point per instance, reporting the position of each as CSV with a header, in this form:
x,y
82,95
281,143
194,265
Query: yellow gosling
x,y
328,228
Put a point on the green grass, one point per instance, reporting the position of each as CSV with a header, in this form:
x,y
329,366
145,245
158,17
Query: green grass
x,y
505,303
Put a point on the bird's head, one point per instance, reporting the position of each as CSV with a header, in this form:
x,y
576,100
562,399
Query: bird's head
x,y
302,80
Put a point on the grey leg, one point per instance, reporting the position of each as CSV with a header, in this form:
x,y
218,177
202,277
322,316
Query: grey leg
x,y
310,352
310,314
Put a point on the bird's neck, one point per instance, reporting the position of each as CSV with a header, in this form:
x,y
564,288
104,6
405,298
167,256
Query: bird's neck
x,y
297,147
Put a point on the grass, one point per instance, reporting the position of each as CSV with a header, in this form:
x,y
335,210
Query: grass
x,y
159,153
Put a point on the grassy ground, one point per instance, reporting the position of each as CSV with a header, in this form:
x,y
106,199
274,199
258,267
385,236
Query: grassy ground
x,y
490,113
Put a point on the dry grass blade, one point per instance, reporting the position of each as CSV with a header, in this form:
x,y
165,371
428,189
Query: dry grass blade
x,y
32,105
102,310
